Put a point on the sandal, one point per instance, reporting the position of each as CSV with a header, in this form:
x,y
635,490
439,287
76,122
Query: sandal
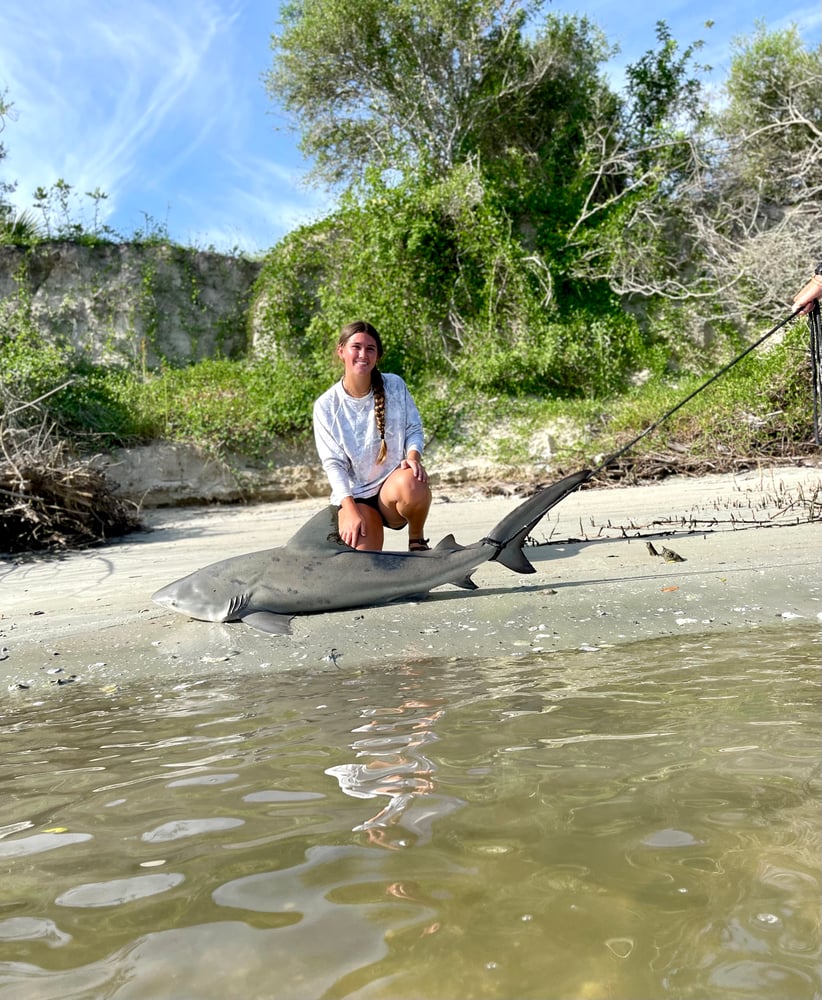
x,y
418,545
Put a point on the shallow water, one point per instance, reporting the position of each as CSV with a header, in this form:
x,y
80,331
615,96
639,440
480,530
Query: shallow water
x,y
635,822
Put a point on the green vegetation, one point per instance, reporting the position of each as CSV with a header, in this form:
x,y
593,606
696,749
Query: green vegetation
x,y
759,408
535,247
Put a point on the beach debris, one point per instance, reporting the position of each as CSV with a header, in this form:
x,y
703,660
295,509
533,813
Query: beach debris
x,y
332,656
667,554
51,499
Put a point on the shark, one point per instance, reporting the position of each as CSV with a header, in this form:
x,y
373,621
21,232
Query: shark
x,y
316,572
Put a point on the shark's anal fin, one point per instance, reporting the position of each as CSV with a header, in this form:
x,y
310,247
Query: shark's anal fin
x,y
269,621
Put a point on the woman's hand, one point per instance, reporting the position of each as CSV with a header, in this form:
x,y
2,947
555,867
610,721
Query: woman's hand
x,y
350,523
414,463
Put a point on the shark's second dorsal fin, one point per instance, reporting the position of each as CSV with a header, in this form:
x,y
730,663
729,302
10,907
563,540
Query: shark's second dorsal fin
x,y
450,543
320,532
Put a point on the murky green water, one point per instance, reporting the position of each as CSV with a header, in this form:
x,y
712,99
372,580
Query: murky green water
x,y
640,822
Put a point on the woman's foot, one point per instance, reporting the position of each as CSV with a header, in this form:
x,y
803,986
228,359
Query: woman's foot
x,y
418,545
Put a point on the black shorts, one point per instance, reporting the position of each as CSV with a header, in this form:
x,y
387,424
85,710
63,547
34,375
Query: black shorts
x,y
374,503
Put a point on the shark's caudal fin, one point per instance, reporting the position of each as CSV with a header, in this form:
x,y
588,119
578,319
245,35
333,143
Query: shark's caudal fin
x,y
511,532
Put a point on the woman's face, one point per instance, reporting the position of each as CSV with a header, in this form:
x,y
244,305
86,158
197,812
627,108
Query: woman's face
x,y
359,354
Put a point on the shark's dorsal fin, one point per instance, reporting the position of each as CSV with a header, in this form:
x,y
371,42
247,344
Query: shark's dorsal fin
x,y
320,532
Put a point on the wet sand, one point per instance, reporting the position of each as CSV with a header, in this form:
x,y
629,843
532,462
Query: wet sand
x,y
750,559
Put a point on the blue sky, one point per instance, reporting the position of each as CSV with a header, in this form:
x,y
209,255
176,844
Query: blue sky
x,y
161,104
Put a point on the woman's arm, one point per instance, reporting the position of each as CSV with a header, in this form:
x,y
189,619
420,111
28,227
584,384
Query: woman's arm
x,y
331,453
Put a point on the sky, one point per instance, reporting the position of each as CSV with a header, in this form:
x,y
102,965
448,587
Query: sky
x,y
161,104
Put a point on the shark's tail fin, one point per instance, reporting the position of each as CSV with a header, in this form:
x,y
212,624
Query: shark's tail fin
x,y
510,534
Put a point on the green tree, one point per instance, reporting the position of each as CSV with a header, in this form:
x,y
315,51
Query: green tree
x,y
490,174
412,83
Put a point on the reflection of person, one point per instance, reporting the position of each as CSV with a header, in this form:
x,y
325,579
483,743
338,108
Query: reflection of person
x,y
398,770
806,297
369,438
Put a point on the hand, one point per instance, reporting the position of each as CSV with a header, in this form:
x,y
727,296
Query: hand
x,y
351,524
415,465
808,295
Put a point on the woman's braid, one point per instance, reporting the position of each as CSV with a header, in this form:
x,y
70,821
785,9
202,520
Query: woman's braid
x,y
379,409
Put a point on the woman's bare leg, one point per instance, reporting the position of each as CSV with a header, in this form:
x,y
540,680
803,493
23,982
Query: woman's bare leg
x,y
375,532
404,499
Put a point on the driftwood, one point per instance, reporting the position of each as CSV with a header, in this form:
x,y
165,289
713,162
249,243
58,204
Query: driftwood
x,y
51,500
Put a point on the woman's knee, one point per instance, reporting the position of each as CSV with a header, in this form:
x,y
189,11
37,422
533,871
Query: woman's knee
x,y
403,483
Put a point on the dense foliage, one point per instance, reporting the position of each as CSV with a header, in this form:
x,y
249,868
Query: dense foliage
x,y
528,239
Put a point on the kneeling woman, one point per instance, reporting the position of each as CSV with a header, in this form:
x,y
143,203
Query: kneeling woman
x,y
369,438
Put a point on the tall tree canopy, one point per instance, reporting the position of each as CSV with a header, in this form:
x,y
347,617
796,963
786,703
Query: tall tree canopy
x,y
510,194
424,83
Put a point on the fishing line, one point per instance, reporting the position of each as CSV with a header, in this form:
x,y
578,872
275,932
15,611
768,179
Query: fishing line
x,y
815,325
565,486
618,454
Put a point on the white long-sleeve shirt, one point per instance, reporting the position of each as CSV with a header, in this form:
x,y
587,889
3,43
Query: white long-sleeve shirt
x,y
348,442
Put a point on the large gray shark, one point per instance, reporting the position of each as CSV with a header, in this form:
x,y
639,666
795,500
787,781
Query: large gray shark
x,y
315,571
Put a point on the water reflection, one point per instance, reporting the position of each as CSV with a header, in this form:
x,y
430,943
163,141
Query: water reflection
x,y
391,761
643,824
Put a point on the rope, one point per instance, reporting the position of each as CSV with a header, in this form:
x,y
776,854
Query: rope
x,y
571,483
815,327
752,347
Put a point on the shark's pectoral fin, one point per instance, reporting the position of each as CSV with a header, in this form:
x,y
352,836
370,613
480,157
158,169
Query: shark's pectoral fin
x,y
466,583
269,621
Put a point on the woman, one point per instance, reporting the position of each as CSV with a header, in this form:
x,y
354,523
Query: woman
x,y
369,439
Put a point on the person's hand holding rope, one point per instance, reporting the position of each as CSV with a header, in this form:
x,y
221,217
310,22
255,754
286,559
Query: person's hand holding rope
x,y
807,296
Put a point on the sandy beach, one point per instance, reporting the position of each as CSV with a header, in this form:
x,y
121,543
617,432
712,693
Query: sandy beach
x,y
749,558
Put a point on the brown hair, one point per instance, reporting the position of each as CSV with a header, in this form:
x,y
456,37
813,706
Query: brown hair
x,y
377,385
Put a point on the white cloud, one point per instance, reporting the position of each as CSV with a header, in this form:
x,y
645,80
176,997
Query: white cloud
x,y
93,96
160,104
